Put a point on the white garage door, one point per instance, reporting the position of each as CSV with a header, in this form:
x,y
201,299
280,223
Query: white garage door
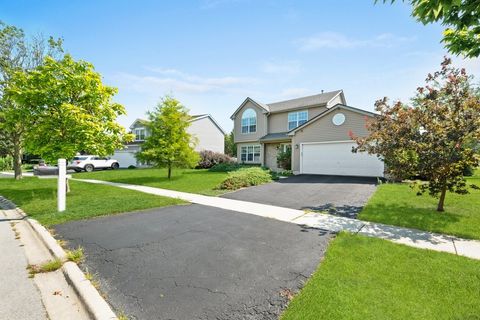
x,y
337,159
125,158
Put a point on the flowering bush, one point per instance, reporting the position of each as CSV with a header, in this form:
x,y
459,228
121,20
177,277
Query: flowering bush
x,y
209,158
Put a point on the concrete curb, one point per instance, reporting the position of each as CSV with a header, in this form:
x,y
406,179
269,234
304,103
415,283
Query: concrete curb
x,y
90,297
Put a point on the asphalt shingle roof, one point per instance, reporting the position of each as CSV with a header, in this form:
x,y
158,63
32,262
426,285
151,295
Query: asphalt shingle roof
x,y
317,99
275,136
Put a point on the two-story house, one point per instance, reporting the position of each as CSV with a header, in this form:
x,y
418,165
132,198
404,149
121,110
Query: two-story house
x,y
207,133
317,129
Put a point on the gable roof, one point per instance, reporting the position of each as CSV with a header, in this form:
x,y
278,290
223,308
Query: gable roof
x,y
335,107
315,100
193,118
264,107
138,120
321,99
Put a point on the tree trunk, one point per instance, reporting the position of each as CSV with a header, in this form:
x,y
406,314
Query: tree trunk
x,y
442,199
169,171
17,161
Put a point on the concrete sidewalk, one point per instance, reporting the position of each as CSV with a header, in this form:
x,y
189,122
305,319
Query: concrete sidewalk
x,y
46,295
19,296
410,237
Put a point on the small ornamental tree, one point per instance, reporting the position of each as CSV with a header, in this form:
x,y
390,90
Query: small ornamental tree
x,y
71,110
169,144
432,138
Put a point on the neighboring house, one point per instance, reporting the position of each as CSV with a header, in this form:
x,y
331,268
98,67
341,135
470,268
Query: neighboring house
x,y
206,131
317,129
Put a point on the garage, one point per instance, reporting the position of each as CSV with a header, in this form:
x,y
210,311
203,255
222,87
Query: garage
x,y
337,158
125,158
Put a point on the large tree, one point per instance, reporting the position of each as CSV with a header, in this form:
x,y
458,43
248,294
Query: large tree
x,y
169,144
17,54
461,17
432,138
71,110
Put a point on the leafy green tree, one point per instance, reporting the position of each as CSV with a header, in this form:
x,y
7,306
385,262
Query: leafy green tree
x,y
70,109
461,17
230,146
18,54
169,144
432,138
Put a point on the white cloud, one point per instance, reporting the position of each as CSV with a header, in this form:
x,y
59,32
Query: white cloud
x,y
176,81
334,40
281,67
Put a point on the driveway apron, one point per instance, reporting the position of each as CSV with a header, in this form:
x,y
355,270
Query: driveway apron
x,y
197,262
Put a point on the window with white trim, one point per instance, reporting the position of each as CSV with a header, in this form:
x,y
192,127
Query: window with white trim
x,y
249,121
250,153
297,118
139,134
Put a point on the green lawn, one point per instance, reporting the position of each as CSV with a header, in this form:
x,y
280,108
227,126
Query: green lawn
x,y
398,204
187,180
368,278
37,197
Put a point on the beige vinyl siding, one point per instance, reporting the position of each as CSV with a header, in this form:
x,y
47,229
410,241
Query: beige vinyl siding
x,y
239,152
278,122
324,130
261,124
208,135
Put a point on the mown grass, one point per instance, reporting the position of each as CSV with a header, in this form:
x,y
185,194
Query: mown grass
x,y
37,197
397,204
201,181
368,278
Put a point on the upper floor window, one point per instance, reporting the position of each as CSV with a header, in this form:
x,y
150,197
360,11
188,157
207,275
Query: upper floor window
x,y
139,134
296,119
249,121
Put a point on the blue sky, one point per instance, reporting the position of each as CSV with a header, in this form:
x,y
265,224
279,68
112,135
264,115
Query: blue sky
x,y
212,54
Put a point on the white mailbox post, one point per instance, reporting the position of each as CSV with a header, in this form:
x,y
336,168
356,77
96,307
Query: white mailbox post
x,y
62,185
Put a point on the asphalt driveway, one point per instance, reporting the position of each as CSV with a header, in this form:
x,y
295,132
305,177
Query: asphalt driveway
x,y
343,196
197,262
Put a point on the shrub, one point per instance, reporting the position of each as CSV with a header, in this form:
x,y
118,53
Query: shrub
x,y
284,159
246,177
225,167
131,167
6,163
209,158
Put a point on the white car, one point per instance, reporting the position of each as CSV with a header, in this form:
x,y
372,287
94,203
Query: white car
x,y
90,163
